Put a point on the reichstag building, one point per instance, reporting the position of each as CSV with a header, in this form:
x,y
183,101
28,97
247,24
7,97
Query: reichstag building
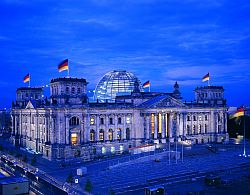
x,y
121,118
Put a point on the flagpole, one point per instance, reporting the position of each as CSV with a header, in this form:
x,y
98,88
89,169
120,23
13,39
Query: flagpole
x,y
149,88
29,80
244,147
68,68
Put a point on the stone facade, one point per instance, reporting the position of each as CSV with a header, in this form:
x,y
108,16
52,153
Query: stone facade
x,y
67,125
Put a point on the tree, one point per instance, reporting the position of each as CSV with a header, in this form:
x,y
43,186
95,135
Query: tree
x,y
88,186
33,161
25,158
111,191
70,178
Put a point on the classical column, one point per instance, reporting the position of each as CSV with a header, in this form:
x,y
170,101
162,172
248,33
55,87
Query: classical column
x,y
184,124
97,127
163,125
86,127
147,126
116,126
225,122
170,125
106,130
181,124
156,126
67,139
124,127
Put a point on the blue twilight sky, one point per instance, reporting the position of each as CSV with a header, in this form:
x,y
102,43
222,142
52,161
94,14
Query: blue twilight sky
x,y
158,40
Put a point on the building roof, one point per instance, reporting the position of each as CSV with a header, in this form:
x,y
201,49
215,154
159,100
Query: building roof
x,y
209,87
68,79
30,88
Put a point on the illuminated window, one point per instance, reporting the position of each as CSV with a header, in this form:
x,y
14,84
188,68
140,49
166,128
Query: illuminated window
x,y
119,134
110,134
200,118
159,125
73,138
92,120
101,135
92,135
128,120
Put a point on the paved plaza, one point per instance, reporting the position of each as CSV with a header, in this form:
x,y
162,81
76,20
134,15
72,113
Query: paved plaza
x,y
130,174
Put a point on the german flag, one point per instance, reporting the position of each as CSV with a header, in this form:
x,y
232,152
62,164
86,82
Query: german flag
x,y
26,78
206,77
238,113
146,84
64,65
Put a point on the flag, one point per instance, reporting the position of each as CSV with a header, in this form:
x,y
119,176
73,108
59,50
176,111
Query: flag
x,y
26,78
64,65
238,113
206,78
146,84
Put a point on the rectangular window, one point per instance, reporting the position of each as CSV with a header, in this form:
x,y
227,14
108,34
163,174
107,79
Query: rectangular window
x,y
111,121
128,120
102,121
92,121
119,120
206,118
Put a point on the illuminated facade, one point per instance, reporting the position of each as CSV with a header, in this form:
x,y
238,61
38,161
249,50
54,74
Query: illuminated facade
x,y
67,125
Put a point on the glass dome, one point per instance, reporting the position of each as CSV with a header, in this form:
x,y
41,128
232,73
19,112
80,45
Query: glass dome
x,y
115,83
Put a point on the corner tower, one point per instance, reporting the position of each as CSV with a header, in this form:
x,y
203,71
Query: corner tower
x,y
69,91
210,95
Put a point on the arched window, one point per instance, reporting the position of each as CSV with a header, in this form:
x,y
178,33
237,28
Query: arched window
x,y
92,135
101,135
119,134
73,90
127,134
74,121
110,135
67,90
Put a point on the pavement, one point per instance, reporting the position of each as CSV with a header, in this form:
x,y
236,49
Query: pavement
x,y
131,174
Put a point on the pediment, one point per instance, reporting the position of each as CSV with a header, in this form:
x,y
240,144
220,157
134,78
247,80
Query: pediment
x,y
163,102
29,105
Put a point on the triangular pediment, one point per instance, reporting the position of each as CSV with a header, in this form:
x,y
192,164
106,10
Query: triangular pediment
x,y
164,101
29,105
